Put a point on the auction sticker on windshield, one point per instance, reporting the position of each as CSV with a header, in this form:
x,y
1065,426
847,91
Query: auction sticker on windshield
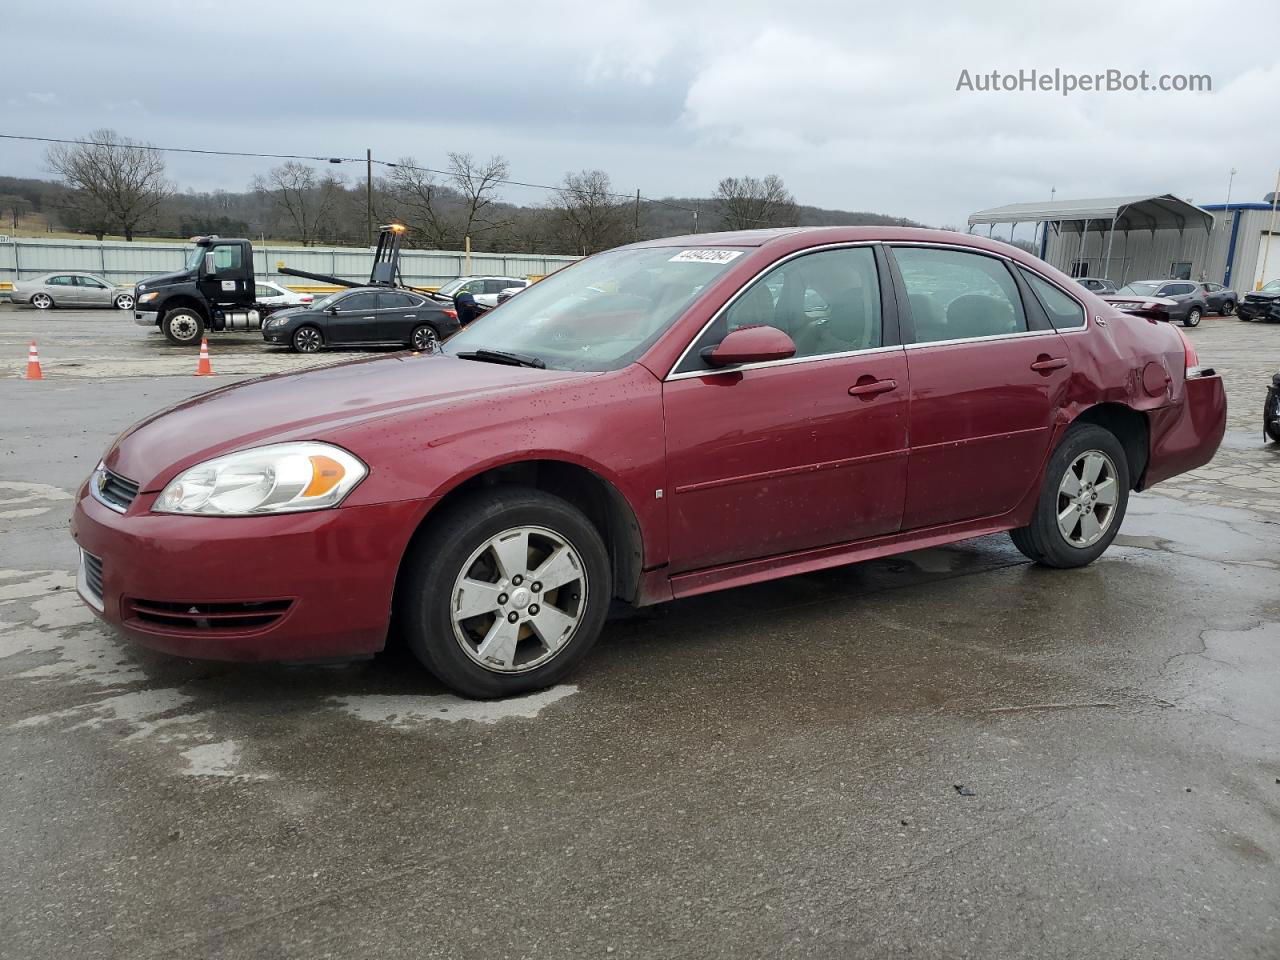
x,y
705,256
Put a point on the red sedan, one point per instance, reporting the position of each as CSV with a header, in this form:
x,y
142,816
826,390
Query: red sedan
x,y
657,421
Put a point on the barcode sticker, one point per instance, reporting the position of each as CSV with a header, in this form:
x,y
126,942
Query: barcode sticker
x,y
705,256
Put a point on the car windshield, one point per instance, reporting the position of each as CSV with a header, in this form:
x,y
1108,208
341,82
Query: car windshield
x,y
1271,286
1142,288
194,257
328,301
450,288
600,313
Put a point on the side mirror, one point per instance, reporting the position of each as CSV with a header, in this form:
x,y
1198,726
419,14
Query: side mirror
x,y
209,266
750,345
331,311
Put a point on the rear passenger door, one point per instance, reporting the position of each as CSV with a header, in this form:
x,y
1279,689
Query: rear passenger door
x,y
987,376
398,314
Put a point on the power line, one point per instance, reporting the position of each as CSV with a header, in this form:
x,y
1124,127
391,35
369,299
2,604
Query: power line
x,y
385,163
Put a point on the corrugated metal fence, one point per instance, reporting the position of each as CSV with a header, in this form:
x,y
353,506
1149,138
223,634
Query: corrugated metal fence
x,y
24,257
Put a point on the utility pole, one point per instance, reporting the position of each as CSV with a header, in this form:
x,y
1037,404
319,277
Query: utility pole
x,y
695,221
1271,234
637,213
368,189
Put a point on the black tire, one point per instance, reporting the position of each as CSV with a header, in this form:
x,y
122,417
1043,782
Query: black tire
x,y
1192,319
42,301
182,326
435,560
425,338
307,339
1228,308
1042,540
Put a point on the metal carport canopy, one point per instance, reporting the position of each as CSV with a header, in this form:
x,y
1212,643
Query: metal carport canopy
x,y
1128,213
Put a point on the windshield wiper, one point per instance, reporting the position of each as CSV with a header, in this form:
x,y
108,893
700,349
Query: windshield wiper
x,y
502,356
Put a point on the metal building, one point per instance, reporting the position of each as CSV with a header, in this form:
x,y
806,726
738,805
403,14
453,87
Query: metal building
x,y
1150,237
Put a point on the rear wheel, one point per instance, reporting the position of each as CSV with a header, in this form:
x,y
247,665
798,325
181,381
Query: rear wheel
x,y
307,340
42,301
1082,502
1228,308
182,326
425,339
1192,319
506,593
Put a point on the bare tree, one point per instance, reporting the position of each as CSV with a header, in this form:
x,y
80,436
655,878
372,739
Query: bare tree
x,y
12,207
478,183
306,200
423,204
747,203
592,217
119,180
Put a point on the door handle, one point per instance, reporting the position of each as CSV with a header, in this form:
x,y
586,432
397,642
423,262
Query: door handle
x,y
869,387
368,318
411,316
1044,363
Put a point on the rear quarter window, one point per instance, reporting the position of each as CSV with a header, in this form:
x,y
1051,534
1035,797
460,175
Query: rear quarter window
x,y
1065,313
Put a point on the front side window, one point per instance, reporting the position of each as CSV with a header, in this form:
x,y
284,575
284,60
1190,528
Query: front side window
x,y
91,283
227,257
265,293
495,286
1064,311
957,295
600,313
826,302
358,302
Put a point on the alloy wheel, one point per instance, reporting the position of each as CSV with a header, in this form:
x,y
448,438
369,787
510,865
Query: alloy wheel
x,y
124,302
425,340
42,301
519,599
1193,317
307,340
1087,498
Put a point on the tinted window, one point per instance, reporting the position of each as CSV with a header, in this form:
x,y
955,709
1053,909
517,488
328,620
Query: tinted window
x,y
357,302
495,286
826,302
1064,312
956,295
90,282
59,282
396,301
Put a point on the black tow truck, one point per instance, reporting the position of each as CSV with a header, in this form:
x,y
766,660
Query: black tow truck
x,y
216,289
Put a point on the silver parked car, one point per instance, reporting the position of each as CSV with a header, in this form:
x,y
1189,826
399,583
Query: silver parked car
x,y
71,290
484,289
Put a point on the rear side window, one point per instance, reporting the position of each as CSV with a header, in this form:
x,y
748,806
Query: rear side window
x,y
60,282
827,302
956,295
395,301
1064,312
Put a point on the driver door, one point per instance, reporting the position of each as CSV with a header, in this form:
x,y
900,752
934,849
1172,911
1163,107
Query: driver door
x,y
771,458
356,320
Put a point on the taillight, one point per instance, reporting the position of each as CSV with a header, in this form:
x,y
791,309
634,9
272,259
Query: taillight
x,y
451,314
1191,358
307,299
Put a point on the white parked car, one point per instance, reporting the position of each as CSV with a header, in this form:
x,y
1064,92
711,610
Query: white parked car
x,y
70,289
484,289
275,295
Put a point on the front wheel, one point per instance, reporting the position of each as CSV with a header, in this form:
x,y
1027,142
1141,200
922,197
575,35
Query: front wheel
x,y
425,339
42,301
124,301
307,340
182,327
1192,319
506,593
1082,502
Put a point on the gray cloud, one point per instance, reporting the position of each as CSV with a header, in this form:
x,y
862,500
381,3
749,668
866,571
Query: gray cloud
x,y
854,106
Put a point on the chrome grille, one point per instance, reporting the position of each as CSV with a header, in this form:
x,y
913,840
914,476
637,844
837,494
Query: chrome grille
x,y
115,491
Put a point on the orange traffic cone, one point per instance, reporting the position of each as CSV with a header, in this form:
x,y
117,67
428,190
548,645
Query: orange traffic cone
x,y
33,363
203,367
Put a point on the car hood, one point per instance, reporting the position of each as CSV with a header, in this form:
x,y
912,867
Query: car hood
x,y
311,406
1262,295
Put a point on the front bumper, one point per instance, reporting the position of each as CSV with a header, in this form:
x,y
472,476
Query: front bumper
x,y
326,578
1249,310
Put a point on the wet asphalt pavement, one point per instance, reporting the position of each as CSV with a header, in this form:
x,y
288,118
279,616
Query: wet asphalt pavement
x,y
951,753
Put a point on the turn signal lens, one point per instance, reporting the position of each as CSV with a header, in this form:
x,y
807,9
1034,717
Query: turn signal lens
x,y
326,473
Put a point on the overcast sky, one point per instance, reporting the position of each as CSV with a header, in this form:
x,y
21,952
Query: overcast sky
x,y
854,105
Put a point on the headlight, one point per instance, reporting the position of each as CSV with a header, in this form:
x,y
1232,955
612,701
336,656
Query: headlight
x,y
148,297
281,478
